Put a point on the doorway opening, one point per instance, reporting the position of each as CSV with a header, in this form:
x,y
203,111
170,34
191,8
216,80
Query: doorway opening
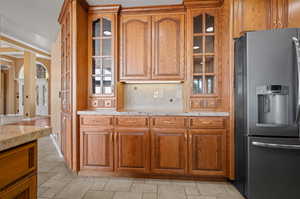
x,y
42,76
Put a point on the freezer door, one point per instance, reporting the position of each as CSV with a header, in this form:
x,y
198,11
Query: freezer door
x,y
273,168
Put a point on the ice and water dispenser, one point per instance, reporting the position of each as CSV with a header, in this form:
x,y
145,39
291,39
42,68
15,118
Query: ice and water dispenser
x,y
272,105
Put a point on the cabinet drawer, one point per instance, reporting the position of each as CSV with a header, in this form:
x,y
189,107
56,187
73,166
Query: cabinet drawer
x,y
169,122
207,123
23,189
96,120
17,163
132,121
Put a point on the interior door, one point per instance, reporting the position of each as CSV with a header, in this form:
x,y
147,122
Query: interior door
x,y
168,47
169,151
273,168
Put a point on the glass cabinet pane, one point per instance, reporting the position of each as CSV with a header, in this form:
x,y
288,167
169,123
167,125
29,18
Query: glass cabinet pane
x,y
107,62
106,28
106,48
96,47
107,72
96,28
96,85
209,64
198,44
198,21
209,23
210,84
96,67
198,64
209,44
198,85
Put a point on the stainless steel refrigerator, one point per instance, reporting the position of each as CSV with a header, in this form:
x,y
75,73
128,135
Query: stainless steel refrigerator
x,y
267,102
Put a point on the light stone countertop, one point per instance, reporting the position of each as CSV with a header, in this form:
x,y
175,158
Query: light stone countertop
x,y
15,135
152,113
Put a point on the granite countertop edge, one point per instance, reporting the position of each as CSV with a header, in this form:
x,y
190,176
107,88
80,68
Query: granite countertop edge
x,y
23,138
150,113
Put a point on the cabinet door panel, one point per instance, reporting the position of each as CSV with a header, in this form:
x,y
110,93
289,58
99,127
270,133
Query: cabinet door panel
x,y
168,47
132,150
257,15
293,14
169,149
135,47
207,152
96,149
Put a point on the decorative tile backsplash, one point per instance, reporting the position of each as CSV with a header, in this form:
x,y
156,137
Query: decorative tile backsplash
x,y
154,97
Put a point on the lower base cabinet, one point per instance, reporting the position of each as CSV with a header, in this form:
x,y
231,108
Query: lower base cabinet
x,y
207,152
24,189
132,150
96,149
197,148
168,151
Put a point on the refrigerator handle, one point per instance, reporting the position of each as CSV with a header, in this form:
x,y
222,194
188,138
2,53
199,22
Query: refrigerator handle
x,y
276,146
297,49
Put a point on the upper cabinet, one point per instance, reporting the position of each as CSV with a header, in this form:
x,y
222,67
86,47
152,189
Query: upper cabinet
x,y
135,47
168,47
102,60
253,15
152,47
203,59
293,14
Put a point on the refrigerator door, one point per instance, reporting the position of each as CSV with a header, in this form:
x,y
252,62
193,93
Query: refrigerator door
x,y
272,83
273,168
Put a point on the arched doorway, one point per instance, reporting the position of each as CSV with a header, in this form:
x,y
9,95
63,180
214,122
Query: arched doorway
x,y
41,90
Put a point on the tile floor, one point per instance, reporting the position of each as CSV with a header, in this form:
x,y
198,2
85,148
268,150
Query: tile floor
x,y
56,182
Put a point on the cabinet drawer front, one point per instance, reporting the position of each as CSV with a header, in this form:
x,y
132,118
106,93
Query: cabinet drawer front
x,y
207,123
96,120
24,189
169,122
132,121
16,163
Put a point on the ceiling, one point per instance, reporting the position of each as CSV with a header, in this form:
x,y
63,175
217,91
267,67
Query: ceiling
x,y
35,21
31,21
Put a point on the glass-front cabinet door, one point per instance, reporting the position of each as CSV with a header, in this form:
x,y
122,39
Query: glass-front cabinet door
x,y
204,54
102,64
203,59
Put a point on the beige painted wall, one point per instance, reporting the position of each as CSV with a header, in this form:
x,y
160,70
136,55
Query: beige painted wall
x,y
55,85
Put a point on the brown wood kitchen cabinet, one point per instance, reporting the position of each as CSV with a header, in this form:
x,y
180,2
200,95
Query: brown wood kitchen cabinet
x,y
206,152
132,150
135,47
152,47
203,59
102,56
253,15
168,40
18,169
158,145
168,151
96,143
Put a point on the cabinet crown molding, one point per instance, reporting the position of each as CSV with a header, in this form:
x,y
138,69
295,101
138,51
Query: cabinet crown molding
x,y
112,8
203,3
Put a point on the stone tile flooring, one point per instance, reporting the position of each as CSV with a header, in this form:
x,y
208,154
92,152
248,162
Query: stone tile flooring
x,y
56,182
